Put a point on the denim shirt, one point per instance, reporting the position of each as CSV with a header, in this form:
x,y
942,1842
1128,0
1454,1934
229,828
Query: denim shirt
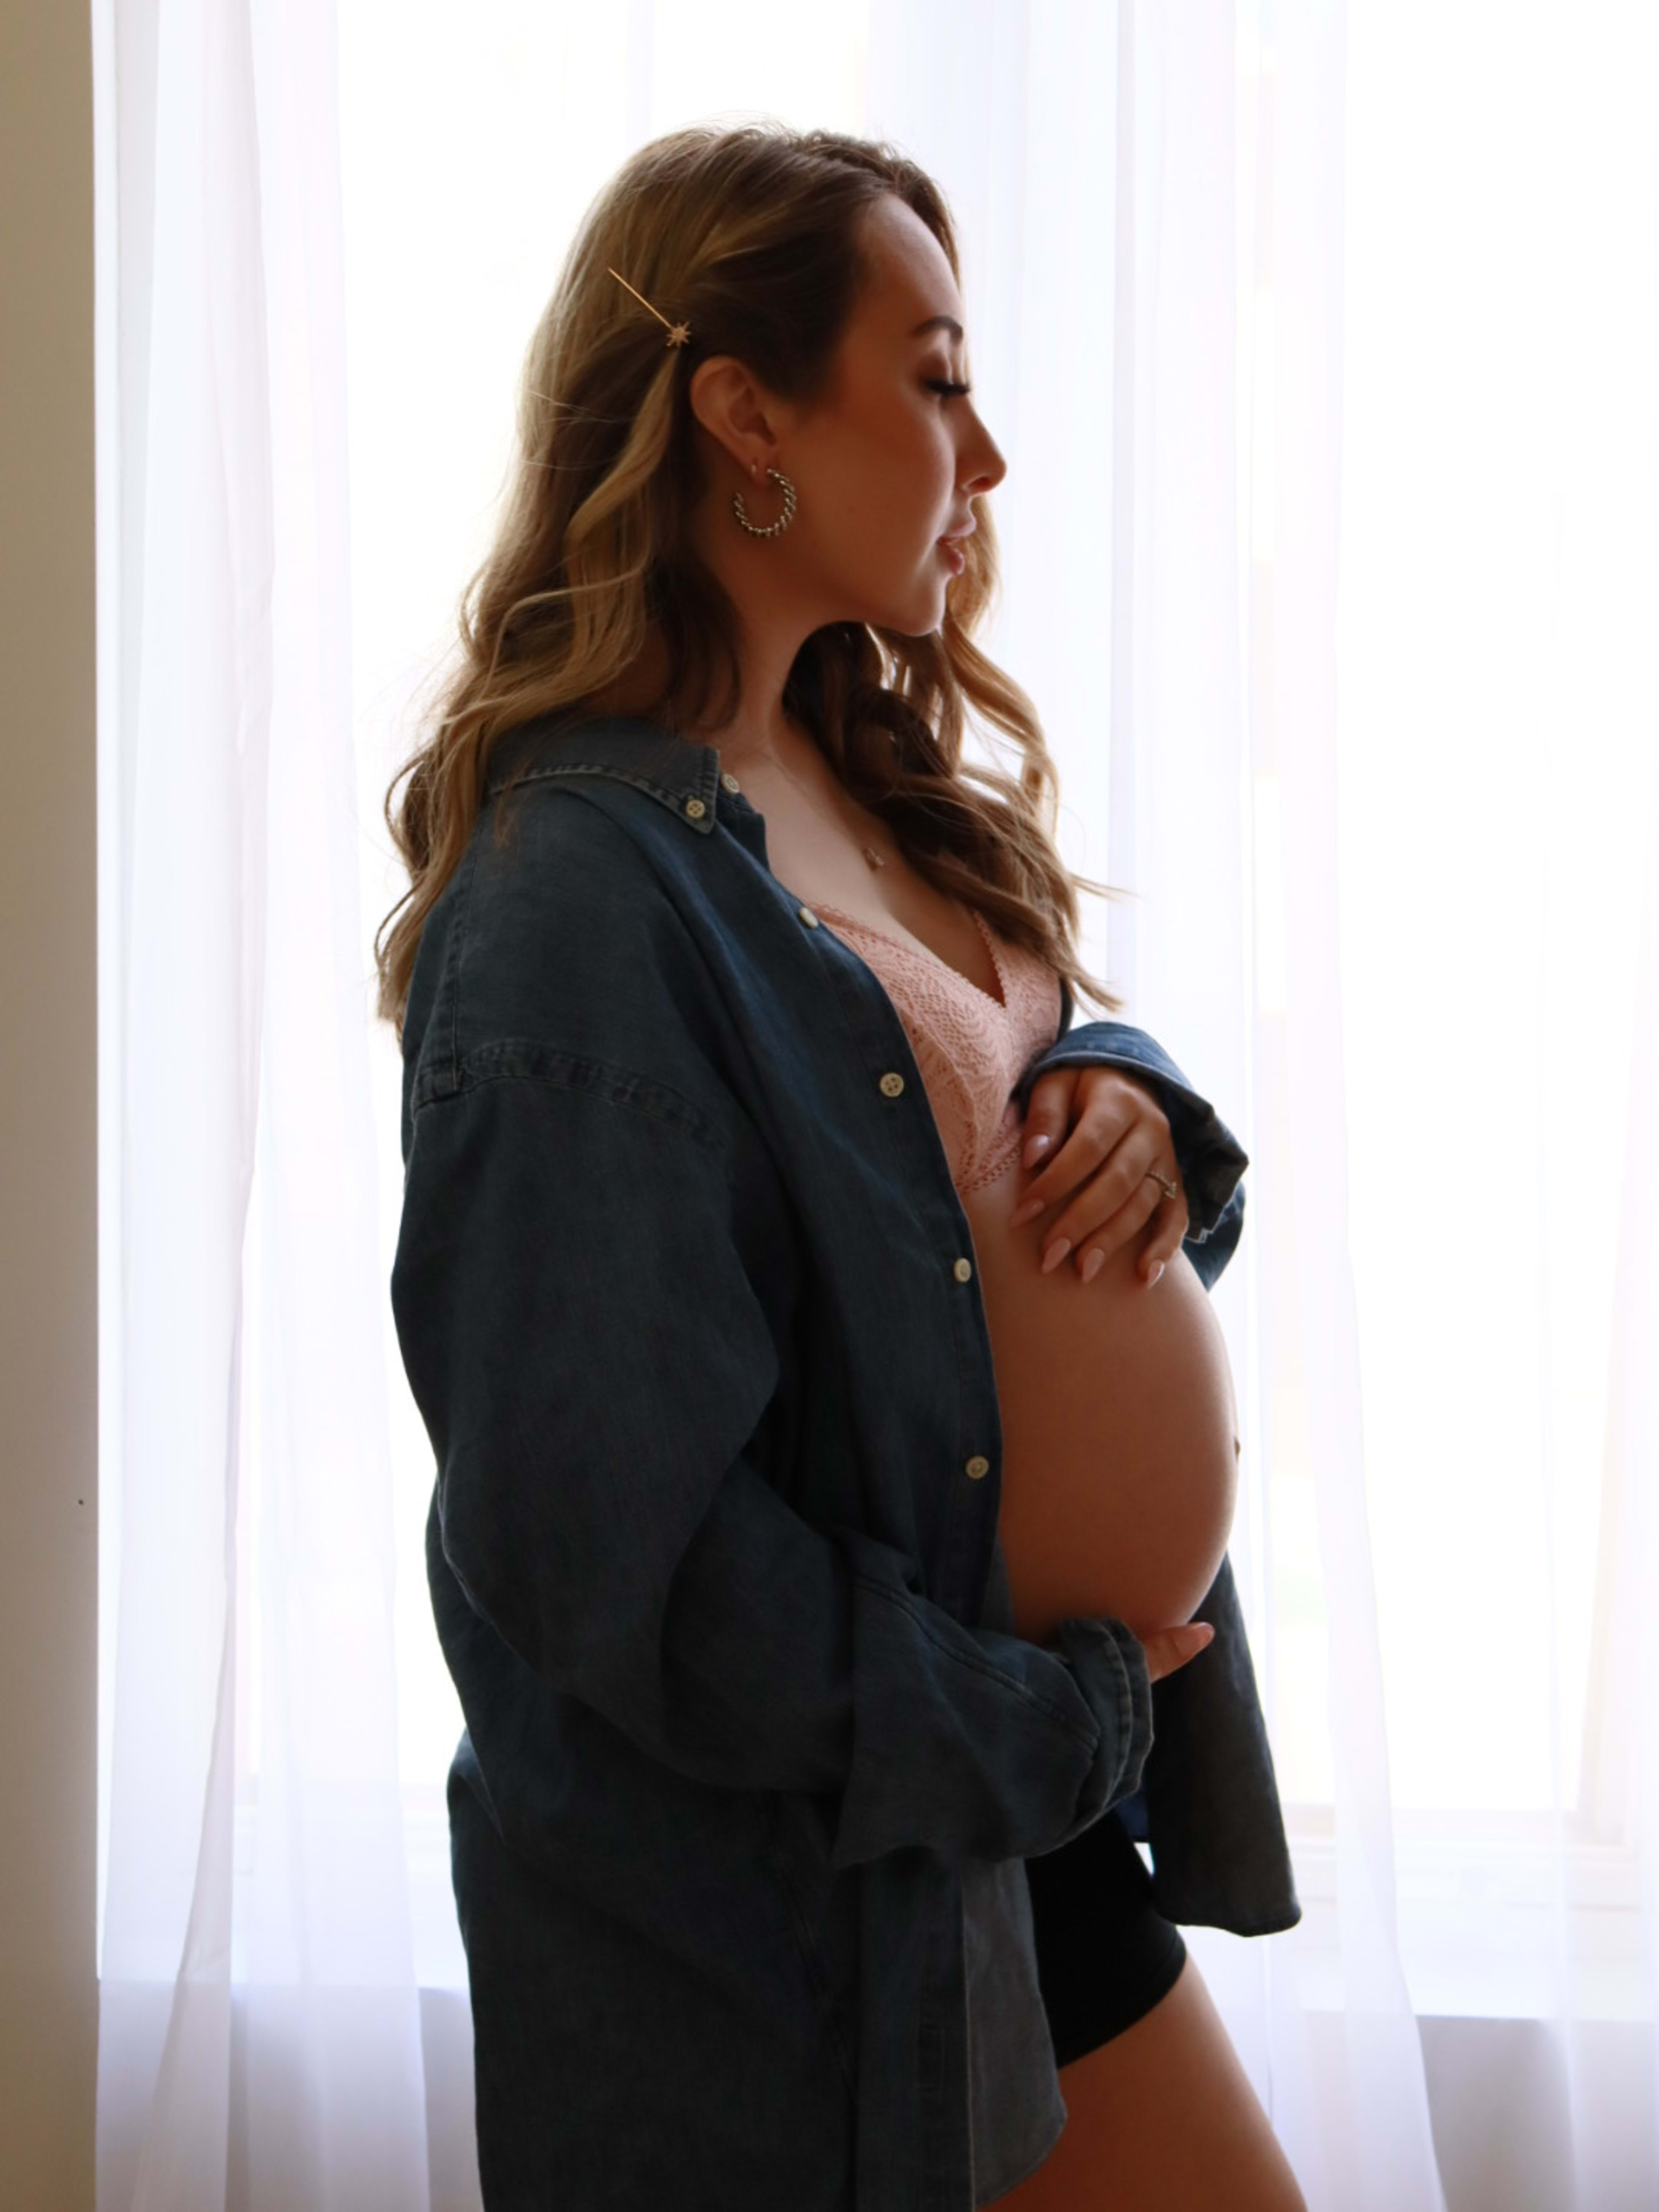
x,y
712,1547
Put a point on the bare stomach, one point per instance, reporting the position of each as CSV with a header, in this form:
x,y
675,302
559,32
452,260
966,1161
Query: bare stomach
x,y
1120,1435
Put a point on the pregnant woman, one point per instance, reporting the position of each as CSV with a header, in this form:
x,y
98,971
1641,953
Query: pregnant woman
x,y
822,1485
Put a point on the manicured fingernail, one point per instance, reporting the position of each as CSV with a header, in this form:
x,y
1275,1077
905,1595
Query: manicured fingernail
x,y
1092,1265
1055,1252
1155,1272
1028,1212
1034,1148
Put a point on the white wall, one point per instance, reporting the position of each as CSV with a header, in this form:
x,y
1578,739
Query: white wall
x,y
48,1111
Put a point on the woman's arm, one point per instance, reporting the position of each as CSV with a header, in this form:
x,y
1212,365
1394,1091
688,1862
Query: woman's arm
x,y
593,1362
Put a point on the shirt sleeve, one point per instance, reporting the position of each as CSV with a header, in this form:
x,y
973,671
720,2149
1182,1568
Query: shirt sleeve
x,y
593,1363
1211,1159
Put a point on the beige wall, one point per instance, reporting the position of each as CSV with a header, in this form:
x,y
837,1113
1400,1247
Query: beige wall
x,y
48,1113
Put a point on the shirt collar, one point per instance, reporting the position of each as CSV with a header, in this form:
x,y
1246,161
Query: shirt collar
x,y
677,772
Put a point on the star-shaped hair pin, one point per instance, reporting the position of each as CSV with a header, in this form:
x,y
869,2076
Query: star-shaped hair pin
x,y
679,334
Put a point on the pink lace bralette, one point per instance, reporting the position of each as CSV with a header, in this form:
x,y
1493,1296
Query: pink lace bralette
x,y
971,1048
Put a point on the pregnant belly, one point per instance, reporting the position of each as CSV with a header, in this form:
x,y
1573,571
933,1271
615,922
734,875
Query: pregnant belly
x,y
1120,1435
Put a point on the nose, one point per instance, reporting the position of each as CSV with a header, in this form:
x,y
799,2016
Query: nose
x,y
987,465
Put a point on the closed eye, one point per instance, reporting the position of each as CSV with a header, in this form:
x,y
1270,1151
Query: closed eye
x,y
947,390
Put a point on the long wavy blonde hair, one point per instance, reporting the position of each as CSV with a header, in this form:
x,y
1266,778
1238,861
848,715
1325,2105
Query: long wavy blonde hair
x,y
752,236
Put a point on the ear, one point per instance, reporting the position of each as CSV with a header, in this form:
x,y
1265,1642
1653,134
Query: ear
x,y
739,414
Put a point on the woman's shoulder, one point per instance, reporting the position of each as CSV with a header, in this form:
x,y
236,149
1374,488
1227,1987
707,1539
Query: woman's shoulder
x,y
558,931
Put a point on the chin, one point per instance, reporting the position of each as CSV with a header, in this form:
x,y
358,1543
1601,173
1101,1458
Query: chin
x,y
919,615
922,620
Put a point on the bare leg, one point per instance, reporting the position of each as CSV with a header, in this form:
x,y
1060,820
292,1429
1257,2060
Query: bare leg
x,y
1163,2118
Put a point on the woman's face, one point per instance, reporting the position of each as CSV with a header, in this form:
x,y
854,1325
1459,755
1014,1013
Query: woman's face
x,y
883,468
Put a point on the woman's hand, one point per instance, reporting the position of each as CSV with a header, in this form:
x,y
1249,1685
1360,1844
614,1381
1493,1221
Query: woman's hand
x,y
1166,1648
1097,1132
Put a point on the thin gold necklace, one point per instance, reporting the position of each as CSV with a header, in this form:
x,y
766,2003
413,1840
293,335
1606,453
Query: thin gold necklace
x,y
875,859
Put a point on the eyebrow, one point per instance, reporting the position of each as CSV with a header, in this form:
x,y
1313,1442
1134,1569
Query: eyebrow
x,y
938,323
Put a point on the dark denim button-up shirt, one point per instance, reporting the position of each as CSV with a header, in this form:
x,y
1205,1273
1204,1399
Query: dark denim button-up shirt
x,y
753,1757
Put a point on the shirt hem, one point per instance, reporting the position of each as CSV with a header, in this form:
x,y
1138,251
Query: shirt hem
x,y
1002,2189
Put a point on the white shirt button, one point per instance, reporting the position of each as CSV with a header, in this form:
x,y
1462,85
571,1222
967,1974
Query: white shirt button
x,y
729,780
807,916
977,1467
696,809
893,1083
963,1269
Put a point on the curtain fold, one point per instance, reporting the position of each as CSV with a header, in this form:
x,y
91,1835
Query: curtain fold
x,y
1228,212
1610,2154
260,2031
1375,2136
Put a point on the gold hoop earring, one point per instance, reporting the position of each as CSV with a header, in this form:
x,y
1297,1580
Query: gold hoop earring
x,y
775,529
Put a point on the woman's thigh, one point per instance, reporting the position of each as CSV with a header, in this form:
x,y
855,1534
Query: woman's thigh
x,y
1163,2118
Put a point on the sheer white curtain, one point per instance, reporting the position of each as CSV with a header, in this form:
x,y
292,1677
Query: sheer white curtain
x,y
1380,774
1321,342
1378,449
259,2037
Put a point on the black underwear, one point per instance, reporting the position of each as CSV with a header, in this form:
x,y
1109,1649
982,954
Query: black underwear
x,y
1105,1956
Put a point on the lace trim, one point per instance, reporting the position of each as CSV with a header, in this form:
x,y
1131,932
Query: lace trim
x,y
925,952
969,1047
1003,1153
